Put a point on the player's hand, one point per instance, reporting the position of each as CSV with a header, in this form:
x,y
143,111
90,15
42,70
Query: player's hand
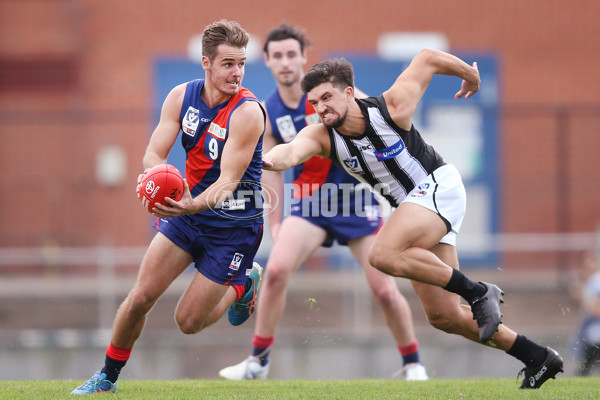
x,y
470,87
267,164
176,208
139,182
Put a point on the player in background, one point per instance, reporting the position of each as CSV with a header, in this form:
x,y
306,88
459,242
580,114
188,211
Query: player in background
x,y
375,140
299,235
222,125
587,293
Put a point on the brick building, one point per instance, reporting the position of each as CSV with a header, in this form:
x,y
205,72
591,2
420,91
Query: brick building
x,y
76,77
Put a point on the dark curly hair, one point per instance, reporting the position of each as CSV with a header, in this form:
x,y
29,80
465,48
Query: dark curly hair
x,y
338,71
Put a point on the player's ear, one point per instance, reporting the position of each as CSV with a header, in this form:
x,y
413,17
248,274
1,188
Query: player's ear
x,y
205,63
304,57
349,92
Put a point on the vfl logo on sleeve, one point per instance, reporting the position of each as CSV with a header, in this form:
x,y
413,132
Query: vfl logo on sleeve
x,y
390,152
190,122
353,165
286,127
236,261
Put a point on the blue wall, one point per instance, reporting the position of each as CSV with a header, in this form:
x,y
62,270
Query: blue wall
x,y
465,132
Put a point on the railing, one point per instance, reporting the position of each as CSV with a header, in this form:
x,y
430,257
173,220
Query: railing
x,y
108,256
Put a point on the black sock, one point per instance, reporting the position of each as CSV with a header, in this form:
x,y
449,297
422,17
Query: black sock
x,y
262,354
464,287
112,369
247,285
530,353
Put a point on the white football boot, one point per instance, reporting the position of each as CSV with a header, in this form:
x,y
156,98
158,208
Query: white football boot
x,y
250,368
412,372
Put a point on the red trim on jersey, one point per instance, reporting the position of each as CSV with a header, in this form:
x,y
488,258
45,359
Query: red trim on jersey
x,y
379,227
313,176
314,171
308,108
258,237
197,163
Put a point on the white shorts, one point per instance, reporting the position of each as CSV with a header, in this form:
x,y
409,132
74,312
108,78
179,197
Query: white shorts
x,y
443,192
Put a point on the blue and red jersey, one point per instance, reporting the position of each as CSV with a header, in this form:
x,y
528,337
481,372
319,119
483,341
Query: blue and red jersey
x,y
314,173
205,131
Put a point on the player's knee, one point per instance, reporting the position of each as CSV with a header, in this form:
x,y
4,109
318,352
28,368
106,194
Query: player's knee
x,y
387,261
386,297
187,328
140,302
186,324
276,275
443,322
377,258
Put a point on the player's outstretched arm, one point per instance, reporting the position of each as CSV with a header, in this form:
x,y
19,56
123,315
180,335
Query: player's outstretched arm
x,y
310,141
407,91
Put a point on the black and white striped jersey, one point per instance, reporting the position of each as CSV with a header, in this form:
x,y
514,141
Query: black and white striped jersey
x,y
388,158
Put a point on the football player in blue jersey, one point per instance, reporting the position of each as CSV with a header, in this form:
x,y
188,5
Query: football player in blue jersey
x,y
222,125
300,234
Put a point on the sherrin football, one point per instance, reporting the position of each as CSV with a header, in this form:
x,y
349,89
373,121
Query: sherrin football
x,y
163,180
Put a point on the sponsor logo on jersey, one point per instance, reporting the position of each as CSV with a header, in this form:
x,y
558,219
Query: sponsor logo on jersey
x,y
352,165
232,204
286,128
390,152
246,202
190,121
236,261
217,131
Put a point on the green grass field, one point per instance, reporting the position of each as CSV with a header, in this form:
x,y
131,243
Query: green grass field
x,y
446,389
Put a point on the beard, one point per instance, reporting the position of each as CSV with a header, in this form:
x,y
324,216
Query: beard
x,y
336,123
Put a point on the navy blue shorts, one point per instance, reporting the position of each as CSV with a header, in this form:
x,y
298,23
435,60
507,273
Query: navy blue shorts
x,y
339,227
223,255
